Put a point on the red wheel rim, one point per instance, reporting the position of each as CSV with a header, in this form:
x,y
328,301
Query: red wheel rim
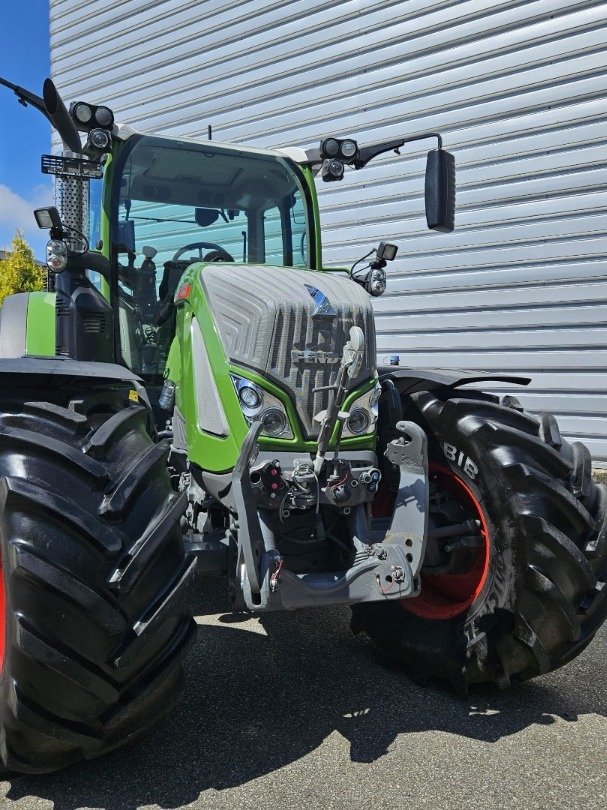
x,y
444,596
2,618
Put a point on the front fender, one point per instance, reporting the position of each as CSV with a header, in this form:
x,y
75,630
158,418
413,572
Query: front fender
x,y
410,380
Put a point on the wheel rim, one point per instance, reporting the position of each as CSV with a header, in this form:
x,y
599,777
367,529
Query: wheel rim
x,y
2,618
444,596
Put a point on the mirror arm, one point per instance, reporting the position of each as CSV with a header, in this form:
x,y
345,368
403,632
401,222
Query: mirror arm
x,y
53,108
313,157
367,153
25,97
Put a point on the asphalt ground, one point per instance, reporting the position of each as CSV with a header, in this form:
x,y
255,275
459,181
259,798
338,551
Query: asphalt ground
x,y
293,711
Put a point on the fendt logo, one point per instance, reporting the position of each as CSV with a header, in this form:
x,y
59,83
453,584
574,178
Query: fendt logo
x,y
324,308
313,357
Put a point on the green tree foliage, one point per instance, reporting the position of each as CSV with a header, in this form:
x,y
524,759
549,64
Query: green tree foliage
x,y
18,270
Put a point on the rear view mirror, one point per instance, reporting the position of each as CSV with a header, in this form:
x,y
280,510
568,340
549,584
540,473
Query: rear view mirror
x,y
440,190
206,216
125,236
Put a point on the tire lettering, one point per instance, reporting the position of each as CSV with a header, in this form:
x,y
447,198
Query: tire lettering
x,y
450,451
470,468
454,454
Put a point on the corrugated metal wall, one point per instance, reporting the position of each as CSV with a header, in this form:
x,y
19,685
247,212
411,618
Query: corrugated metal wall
x,y
518,90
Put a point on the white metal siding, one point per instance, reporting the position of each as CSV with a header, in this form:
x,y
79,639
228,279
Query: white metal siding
x,y
518,91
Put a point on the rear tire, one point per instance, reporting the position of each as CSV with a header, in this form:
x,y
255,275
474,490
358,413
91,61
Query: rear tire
x,y
542,595
94,578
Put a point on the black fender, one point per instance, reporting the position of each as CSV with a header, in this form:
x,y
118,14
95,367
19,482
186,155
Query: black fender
x,y
410,380
61,367
400,381
54,373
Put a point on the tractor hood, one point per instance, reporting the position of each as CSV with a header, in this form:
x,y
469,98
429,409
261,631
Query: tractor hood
x,y
290,326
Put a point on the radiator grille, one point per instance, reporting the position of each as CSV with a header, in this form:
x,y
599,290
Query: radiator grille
x,y
266,319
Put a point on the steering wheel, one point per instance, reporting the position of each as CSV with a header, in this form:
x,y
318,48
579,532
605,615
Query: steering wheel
x,y
303,247
219,254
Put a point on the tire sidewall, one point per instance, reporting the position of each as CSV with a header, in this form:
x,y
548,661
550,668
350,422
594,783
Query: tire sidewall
x,y
492,612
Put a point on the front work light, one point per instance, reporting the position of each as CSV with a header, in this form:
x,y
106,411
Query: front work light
x,y
99,139
386,251
332,170
104,117
329,147
47,218
348,149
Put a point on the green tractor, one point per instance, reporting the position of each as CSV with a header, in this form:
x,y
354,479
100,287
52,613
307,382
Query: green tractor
x,y
196,388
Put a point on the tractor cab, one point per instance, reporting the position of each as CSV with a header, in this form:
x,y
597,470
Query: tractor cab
x,y
175,202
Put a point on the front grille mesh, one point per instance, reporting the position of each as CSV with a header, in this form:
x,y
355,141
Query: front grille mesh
x,y
263,314
297,330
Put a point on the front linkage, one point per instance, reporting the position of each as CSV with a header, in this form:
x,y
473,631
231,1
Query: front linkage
x,y
383,567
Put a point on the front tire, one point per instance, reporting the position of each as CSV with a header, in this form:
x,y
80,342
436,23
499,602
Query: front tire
x,y
94,579
533,596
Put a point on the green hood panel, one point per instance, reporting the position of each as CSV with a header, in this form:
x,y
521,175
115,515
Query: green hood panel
x,y
215,435
40,332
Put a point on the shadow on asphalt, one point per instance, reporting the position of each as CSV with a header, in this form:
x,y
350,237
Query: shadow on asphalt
x,y
255,703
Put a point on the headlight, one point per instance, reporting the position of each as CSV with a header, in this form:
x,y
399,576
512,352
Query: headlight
x,y
363,414
56,255
332,170
250,396
349,148
82,113
255,403
376,282
274,422
358,422
330,147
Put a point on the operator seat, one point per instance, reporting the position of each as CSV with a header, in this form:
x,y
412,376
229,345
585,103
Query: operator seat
x,y
171,276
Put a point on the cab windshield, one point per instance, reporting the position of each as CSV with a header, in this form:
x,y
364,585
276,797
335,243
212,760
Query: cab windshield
x,y
177,202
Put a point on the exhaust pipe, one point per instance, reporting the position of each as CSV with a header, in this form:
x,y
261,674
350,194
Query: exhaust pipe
x,y
60,117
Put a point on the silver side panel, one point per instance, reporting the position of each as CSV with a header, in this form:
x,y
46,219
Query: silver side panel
x,y
13,325
266,319
180,441
211,415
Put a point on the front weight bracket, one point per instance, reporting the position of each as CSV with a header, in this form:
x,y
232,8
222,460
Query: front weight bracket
x,y
409,523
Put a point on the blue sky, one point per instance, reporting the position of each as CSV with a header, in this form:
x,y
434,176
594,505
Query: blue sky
x,y
25,134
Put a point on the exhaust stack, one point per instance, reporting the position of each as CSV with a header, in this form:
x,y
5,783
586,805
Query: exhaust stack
x,y
57,113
